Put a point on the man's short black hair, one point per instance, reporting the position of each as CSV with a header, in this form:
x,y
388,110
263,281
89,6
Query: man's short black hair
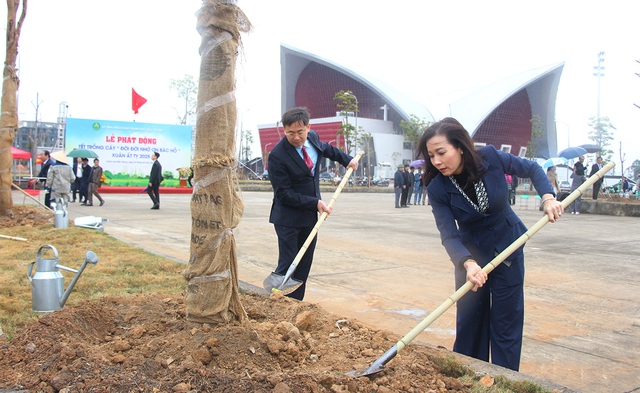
x,y
295,115
155,153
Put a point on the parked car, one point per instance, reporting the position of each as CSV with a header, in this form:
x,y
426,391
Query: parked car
x,y
265,175
565,186
326,177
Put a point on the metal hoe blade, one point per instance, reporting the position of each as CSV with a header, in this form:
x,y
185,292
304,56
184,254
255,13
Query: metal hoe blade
x,y
275,282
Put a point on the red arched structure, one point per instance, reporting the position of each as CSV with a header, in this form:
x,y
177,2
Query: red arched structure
x,y
508,124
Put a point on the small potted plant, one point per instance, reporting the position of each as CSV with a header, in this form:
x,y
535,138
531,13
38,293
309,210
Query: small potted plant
x,y
183,175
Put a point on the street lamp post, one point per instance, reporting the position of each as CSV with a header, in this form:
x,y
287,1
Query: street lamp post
x,y
355,138
242,136
326,163
568,132
568,140
265,155
599,72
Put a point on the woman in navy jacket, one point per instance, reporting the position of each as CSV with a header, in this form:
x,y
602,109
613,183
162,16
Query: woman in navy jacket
x,y
470,201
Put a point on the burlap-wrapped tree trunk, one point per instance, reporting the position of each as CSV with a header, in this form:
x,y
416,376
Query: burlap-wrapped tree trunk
x,y
9,108
212,272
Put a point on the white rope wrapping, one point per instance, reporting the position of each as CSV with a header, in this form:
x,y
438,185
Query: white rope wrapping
x,y
215,102
212,277
215,41
211,178
213,245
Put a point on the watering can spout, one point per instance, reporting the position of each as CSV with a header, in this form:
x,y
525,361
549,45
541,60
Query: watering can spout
x,y
90,257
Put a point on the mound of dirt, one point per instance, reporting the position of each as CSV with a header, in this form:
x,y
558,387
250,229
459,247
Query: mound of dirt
x,y
24,215
144,343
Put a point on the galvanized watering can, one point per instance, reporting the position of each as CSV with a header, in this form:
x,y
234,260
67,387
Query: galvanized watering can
x,y
61,214
47,284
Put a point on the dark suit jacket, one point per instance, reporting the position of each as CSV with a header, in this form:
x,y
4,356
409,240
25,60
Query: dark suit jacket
x,y
398,179
295,190
481,235
44,170
86,176
408,178
155,177
594,169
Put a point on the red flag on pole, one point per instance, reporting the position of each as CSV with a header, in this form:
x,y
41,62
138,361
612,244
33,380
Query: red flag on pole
x,y
136,101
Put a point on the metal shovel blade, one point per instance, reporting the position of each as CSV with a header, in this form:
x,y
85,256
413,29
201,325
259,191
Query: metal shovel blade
x,y
274,282
376,366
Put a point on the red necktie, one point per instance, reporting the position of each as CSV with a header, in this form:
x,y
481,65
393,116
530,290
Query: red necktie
x,y
307,159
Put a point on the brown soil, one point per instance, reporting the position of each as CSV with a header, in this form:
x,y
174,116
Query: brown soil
x,y
144,343
21,215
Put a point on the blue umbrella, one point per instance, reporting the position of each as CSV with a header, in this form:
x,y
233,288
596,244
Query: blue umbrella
x,y
572,152
554,161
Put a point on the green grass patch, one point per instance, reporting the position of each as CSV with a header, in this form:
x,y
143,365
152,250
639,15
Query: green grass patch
x,y
122,269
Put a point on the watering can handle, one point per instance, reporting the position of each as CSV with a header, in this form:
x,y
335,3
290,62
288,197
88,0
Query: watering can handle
x,y
47,246
29,269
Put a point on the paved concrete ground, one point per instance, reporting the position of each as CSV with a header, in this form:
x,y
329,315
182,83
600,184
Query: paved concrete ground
x,y
387,268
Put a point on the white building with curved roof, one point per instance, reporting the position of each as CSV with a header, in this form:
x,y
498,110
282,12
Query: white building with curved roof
x,y
499,114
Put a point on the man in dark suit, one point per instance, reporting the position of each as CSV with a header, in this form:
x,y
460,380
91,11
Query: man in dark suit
x,y
405,191
594,169
296,191
47,161
75,187
155,178
398,184
85,180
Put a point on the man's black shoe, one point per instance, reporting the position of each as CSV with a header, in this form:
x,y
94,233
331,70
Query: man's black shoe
x,y
155,207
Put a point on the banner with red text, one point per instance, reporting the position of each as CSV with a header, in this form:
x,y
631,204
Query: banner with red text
x,y
125,147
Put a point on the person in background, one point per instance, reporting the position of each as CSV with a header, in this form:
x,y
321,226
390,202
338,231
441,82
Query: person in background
x,y
424,190
623,186
410,181
417,186
60,177
75,187
552,175
514,189
47,161
296,191
398,184
578,179
470,202
85,180
598,184
190,177
96,175
155,178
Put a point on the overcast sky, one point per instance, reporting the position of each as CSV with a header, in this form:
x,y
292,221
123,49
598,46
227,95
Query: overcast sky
x,y
91,53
